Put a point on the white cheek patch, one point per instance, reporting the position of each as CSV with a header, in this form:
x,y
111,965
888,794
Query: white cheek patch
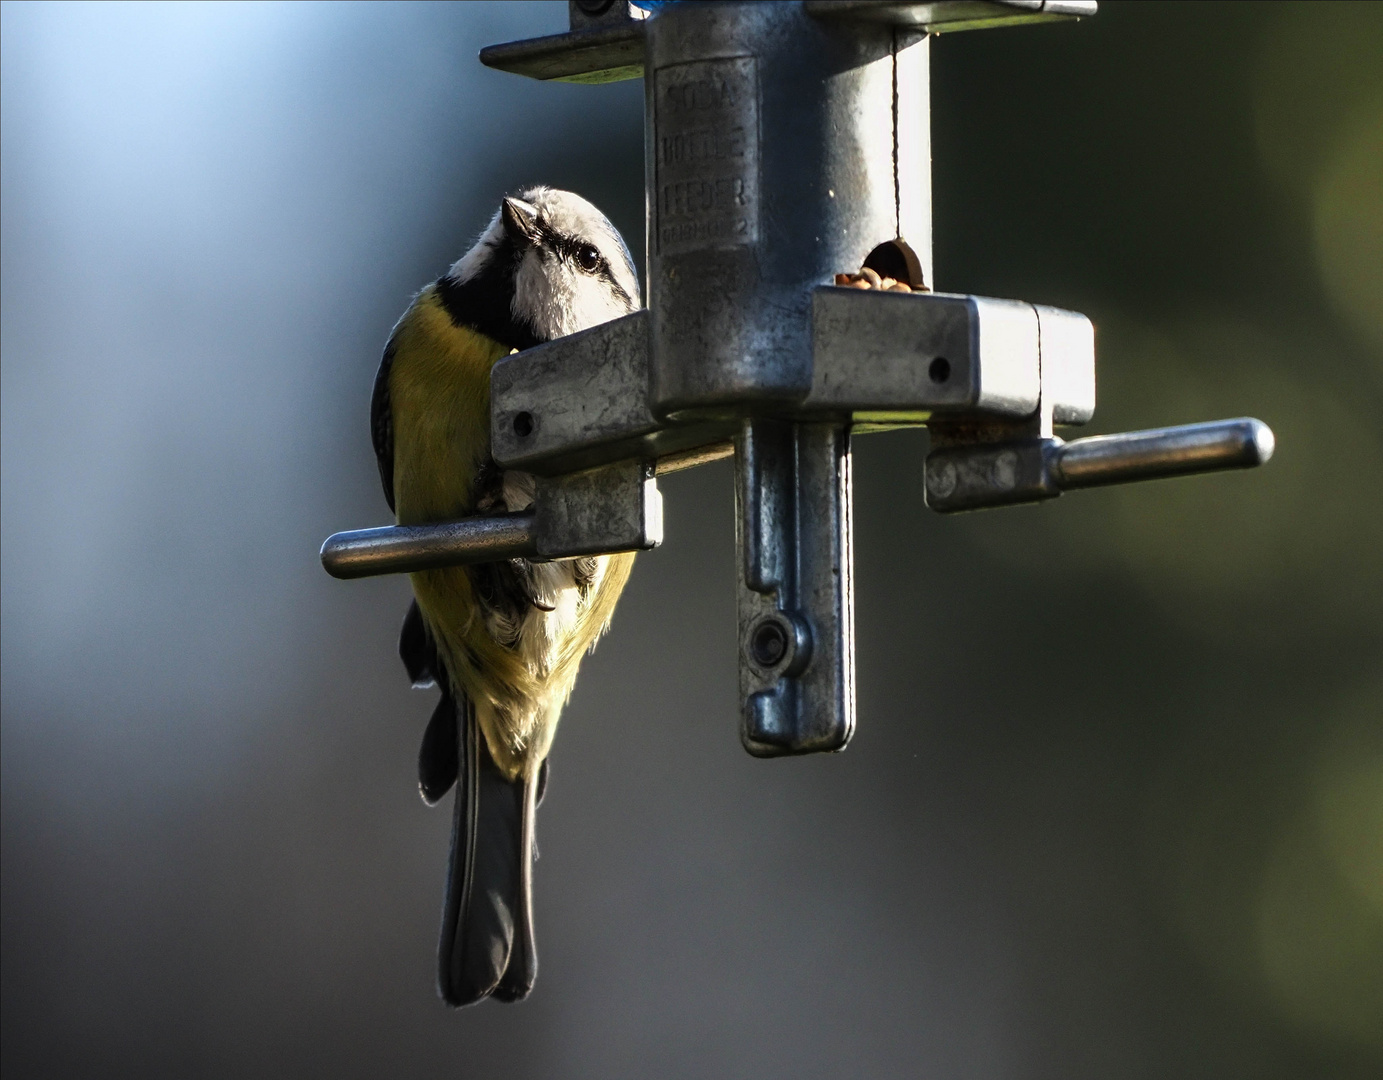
x,y
595,302
534,297
558,299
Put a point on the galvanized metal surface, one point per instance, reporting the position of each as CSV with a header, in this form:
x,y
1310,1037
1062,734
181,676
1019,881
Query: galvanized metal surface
x,y
571,396
1066,340
594,512
405,548
606,43
599,54
978,476
590,14
876,357
583,400
770,166
949,16
881,354
1161,452
988,475
614,508
794,531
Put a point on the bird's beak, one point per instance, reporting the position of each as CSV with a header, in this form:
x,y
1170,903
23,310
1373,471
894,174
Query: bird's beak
x,y
520,220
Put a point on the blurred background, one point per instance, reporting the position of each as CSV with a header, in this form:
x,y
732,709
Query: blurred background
x,y
1115,803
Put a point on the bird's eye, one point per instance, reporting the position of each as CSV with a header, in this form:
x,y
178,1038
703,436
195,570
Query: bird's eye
x,y
587,257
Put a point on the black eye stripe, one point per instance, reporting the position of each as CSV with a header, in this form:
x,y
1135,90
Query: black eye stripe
x,y
567,247
570,247
606,276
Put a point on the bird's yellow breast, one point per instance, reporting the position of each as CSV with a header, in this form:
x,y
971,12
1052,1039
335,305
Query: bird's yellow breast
x,y
439,391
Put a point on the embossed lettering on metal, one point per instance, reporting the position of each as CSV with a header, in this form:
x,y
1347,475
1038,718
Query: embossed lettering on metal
x,y
707,157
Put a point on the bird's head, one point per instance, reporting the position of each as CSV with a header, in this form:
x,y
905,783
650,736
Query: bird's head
x,y
554,262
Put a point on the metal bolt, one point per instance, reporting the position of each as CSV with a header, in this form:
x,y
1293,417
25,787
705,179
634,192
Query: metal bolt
x,y
1004,473
769,644
941,478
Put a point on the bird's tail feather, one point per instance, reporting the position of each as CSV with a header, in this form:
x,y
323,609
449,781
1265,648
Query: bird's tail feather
x,y
522,971
487,921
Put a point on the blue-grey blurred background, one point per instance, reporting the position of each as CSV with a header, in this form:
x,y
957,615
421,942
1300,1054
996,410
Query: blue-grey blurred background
x,y
1115,804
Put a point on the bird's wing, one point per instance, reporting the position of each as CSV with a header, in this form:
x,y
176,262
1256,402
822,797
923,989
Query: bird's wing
x,y
418,651
439,759
382,422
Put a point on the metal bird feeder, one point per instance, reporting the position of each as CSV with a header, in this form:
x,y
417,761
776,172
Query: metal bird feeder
x,y
784,143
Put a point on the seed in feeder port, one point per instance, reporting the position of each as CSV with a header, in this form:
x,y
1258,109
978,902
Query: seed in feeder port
x,y
870,279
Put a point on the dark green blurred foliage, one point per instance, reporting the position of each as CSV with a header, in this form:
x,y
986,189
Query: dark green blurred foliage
x,y
1115,804
1206,181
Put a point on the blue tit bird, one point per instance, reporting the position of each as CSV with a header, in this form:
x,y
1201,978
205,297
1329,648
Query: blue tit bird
x,y
502,641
